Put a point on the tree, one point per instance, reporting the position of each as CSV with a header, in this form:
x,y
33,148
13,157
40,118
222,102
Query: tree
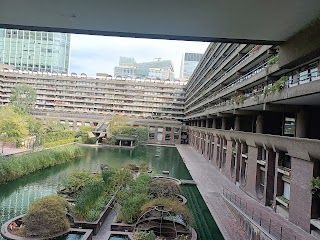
x,y
13,125
83,132
23,97
118,124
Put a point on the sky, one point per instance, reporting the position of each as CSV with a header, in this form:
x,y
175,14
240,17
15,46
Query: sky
x,y
91,54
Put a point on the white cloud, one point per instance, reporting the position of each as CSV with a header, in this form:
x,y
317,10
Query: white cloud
x,y
91,54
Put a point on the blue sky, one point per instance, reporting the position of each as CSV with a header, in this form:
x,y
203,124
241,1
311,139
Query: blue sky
x,y
92,54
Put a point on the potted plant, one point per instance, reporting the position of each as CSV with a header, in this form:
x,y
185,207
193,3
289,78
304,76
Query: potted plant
x,y
315,185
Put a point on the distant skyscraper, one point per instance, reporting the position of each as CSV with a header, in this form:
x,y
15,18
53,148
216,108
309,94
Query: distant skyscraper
x,y
188,64
154,69
38,51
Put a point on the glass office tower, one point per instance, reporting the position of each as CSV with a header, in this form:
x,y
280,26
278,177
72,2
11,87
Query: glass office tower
x,y
188,64
33,50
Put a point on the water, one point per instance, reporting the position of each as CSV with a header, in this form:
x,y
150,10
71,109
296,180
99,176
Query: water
x,y
17,195
71,236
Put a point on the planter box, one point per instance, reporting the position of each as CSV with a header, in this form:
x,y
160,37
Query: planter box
x,y
96,225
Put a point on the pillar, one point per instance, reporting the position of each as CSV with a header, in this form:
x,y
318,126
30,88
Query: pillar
x,y
224,123
120,143
207,123
259,124
214,123
302,124
237,124
131,143
199,123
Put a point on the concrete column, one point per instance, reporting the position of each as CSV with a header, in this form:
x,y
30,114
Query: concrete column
x,y
302,124
131,143
237,124
207,123
259,124
120,143
224,123
214,123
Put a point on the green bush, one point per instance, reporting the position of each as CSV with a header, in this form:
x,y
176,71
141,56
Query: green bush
x,y
279,85
133,198
59,135
141,235
169,203
163,188
17,166
90,140
80,179
59,142
90,201
46,217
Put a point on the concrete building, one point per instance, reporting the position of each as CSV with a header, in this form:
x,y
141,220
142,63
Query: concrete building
x,y
189,63
161,69
35,51
257,122
81,100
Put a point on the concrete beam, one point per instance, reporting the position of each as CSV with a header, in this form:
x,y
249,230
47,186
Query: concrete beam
x,y
280,107
302,47
244,112
224,115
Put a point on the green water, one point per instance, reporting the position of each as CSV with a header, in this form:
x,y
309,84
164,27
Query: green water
x,y
17,195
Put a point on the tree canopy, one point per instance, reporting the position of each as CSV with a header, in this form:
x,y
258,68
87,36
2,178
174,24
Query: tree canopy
x,y
23,97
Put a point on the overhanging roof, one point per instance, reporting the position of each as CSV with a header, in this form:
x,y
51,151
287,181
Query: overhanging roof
x,y
203,20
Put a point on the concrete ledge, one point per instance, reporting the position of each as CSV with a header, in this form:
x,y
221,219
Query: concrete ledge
x,y
301,148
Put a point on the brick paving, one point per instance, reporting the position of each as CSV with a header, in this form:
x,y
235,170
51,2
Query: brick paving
x,y
210,183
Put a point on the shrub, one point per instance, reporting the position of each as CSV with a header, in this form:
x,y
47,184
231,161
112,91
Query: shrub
x,y
315,184
133,198
60,142
47,217
90,201
89,140
169,203
17,166
279,85
163,188
80,179
141,235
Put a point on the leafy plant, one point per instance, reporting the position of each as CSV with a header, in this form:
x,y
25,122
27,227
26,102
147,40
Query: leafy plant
x,y
80,179
24,97
273,60
169,203
237,99
142,235
46,217
315,185
163,188
279,85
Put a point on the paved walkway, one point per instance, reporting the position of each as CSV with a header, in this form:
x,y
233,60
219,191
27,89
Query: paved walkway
x,y
13,151
210,183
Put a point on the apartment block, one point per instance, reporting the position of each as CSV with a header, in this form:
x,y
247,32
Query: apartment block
x,y
257,122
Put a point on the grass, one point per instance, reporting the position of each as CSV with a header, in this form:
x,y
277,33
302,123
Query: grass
x,y
14,167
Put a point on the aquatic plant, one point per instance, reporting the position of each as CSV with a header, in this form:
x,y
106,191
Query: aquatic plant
x,y
17,166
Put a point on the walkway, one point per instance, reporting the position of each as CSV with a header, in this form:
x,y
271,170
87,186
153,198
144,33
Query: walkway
x,y
210,183
13,151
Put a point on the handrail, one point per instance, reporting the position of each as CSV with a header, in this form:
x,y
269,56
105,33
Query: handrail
x,y
258,218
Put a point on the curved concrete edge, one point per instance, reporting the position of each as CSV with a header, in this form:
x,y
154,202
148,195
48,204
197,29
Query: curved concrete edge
x,y
6,233
184,199
87,233
168,178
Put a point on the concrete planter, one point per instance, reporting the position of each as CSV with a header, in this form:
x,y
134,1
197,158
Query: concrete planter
x,y
86,233
96,225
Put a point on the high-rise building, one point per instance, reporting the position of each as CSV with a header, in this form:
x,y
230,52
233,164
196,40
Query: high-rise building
x,y
188,64
35,51
154,69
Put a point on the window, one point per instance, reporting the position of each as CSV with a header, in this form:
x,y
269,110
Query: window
x,y
286,190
